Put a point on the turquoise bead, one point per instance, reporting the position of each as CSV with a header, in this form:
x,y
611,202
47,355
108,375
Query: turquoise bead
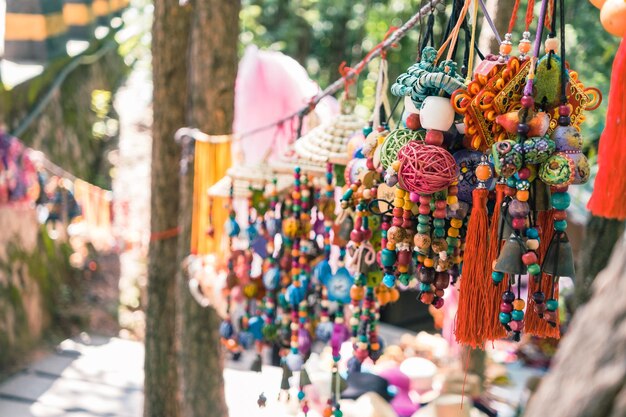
x,y
560,225
405,278
301,395
504,318
439,223
424,287
423,219
389,280
534,269
517,315
439,232
561,201
511,182
532,233
552,304
497,277
388,257
423,228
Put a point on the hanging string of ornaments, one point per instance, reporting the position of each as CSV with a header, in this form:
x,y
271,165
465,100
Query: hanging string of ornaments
x,y
468,193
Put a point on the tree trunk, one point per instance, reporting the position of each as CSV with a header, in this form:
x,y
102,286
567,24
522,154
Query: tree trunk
x,y
213,69
170,39
588,376
500,12
600,237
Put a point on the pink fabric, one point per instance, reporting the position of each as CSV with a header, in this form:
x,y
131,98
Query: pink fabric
x,y
270,86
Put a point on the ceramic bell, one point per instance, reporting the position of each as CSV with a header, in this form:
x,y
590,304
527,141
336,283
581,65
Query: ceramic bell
x,y
510,259
437,113
559,260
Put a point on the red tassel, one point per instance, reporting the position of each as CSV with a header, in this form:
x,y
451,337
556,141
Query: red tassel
x,y
469,316
535,325
607,199
493,329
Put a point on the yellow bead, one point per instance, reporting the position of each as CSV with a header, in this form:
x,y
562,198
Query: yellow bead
x,y
400,193
519,304
429,262
452,199
456,223
391,246
408,205
522,195
403,268
398,202
453,232
395,166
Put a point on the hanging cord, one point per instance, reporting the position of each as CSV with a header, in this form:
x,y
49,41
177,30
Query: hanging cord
x,y
452,39
513,17
489,20
552,33
528,89
563,68
530,14
470,65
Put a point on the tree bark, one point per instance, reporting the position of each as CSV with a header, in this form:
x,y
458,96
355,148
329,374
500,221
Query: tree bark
x,y
588,376
170,41
600,237
212,73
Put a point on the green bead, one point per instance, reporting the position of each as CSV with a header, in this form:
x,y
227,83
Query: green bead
x,y
338,413
440,233
534,269
423,219
439,223
452,241
424,287
423,228
561,201
552,304
560,225
517,315
404,278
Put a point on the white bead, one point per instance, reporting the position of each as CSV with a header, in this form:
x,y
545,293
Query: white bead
x,y
437,113
532,244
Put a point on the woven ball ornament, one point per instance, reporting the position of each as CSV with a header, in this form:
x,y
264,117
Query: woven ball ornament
x,y
425,169
394,142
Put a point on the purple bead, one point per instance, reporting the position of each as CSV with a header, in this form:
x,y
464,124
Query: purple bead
x,y
426,275
523,128
508,297
564,120
539,297
304,341
519,209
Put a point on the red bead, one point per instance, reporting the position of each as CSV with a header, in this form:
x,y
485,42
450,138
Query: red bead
x,y
367,234
453,190
439,293
397,221
427,297
370,164
506,307
559,189
397,211
510,191
404,257
564,110
519,223
560,215
438,303
524,173
440,213
413,121
425,199
434,137
441,204
529,258
424,209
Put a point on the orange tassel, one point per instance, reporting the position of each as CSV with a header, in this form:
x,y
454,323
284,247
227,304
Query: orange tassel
x,y
535,325
470,313
610,186
493,293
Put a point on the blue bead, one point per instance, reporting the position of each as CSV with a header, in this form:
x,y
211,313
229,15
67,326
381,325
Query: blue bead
x,y
424,287
560,225
552,305
561,201
504,318
497,277
301,395
517,315
532,233
389,280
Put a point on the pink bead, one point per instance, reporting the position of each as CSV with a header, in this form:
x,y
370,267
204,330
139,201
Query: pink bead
x,y
524,173
356,236
516,326
564,110
385,226
370,164
540,308
397,221
425,199
441,204
529,258
559,189
519,223
528,102
506,307
434,137
367,234
414,197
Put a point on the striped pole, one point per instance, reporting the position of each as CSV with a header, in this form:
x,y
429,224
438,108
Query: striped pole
x,y
79,18
35,30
